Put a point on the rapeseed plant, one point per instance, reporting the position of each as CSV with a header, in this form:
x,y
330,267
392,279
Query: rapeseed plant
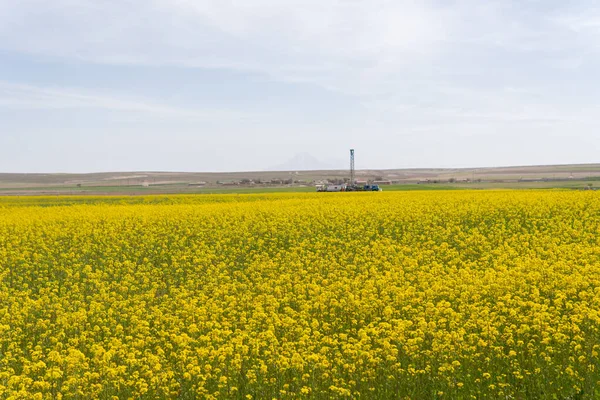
x,y
375,295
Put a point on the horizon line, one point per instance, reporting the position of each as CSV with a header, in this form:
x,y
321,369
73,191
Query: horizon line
x,y
300,170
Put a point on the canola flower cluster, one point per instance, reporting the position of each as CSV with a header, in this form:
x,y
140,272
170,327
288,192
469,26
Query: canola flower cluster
x,y
414,295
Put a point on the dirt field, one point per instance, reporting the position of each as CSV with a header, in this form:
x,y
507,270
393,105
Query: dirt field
x,y
563,176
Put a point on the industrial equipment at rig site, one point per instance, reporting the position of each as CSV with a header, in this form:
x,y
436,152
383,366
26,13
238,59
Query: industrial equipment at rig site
x,y
352,186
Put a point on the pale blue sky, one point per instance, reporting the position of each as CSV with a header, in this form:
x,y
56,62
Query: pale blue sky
x,y
88,85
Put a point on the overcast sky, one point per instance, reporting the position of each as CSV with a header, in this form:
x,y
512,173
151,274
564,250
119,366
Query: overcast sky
x,y
214,85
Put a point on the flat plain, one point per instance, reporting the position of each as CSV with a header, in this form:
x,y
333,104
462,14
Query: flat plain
x,y
148,183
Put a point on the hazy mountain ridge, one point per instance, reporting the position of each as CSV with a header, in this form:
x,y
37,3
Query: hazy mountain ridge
x,y
306,162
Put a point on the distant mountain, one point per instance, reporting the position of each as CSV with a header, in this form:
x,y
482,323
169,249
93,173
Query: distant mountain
x,y
302,162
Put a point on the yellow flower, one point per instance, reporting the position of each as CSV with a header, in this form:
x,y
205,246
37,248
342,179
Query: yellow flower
x,y
362,295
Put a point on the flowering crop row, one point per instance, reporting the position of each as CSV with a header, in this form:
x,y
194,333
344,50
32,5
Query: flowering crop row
x,y
346,295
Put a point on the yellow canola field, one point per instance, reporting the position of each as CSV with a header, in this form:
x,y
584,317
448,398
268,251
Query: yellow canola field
x,y
417,295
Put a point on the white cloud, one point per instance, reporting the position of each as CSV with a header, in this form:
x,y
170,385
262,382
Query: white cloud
x,y
357,47
483,67
330,42
581,21
28,97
